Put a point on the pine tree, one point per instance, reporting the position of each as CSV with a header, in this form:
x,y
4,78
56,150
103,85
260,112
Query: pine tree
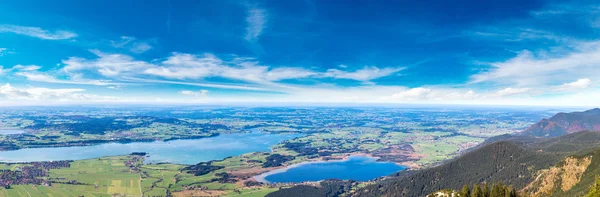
x,y
466,192
477,192
595,190
498,190
486,190
511,192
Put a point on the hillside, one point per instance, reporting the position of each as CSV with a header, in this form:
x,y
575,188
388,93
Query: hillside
x,y
582,141
500,161
565,123
515,163
572,176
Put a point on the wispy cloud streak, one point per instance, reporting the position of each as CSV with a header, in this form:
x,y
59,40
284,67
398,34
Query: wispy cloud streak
x,y
38,32
256,23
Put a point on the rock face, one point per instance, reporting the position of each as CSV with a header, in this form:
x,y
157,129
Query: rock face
x,y
565,123
562,176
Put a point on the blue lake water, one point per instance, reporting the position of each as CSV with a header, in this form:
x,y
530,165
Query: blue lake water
x,y
358,168
176,151
10,131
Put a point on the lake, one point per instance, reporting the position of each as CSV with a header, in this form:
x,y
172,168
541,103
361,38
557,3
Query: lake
x,y
11,131
189,151
359,168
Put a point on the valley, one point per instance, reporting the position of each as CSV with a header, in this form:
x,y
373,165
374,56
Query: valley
x,y
415,138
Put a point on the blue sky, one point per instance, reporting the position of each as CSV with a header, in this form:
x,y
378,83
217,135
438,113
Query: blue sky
x,y
169,51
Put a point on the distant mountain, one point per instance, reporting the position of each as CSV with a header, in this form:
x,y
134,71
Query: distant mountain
x,y
515,162
565,123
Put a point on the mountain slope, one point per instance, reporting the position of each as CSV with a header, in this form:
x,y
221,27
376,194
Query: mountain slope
x,y
572,176
515,163
565,123
500,161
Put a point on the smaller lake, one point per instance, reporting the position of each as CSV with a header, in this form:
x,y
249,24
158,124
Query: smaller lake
x,y
189,151
359,168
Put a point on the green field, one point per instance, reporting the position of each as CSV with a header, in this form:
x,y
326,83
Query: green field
x,y
109,176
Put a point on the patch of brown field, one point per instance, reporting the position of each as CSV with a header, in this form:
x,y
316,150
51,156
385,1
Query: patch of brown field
x,y
240,183
411,165
253,171
398,153
249,172
198,192
564,177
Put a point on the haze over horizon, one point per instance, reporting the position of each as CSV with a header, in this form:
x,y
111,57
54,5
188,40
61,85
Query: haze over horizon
x,y
544,53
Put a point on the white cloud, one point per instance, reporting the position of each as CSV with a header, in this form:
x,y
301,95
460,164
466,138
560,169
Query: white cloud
x,y
116,87
32,73
26,67
18,67
251,71
277,74
366,74
544,68
132,44
37,77
42,77
462,96
38,32
256,22
124,40
109,65
511,91
411,94
35,93
140,47
201,93
579,84
198,70
200,84
188,66
3,51
11,92
515,34
422,94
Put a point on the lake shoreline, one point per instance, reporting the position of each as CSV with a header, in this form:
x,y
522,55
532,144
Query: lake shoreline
x,y
345,158
180,151
93,142
11,131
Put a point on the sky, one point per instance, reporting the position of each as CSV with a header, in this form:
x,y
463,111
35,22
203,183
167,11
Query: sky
x,y
526,52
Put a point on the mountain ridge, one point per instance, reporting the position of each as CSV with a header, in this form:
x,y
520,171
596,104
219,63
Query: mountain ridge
x,y
565,123
512,163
